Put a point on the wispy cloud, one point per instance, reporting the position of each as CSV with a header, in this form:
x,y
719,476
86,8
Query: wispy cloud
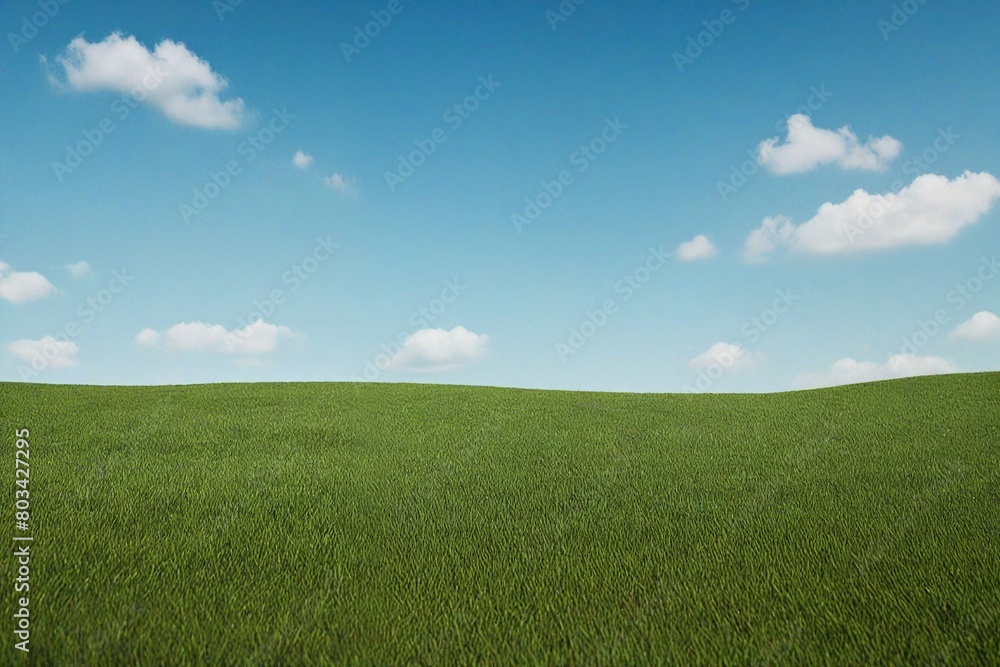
x,y
257,338
344,185
78,270
46,352
850,371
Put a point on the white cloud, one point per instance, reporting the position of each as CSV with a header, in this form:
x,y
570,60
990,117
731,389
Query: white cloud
x,y
78,270
148,338
440,350
774,232
302,160
170,78
23,286
929,211
46,352
727,355
807,147
696,249
983,325
850,371
257,338
345,185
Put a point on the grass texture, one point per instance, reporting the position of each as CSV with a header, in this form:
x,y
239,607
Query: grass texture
x,y
314,524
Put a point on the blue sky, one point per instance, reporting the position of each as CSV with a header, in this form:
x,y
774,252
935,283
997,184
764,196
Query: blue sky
x,y
152,149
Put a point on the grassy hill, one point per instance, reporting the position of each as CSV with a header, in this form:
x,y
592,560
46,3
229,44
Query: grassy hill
x,y
382,524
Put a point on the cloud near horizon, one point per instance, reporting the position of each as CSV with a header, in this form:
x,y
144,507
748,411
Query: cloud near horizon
x,y
932,210
850,371
432,350
807,147
257,338
46,352
729,356
170,78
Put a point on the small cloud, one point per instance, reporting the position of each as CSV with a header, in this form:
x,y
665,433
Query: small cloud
x,y
302,160
344,185
982,326
806,147
169,78
23,286
440,350
257,338
729,356
697,249
849,371
148,338
773,233
46,352
78,270
931,210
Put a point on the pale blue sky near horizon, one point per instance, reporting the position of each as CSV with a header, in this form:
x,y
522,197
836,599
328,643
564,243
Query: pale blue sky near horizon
x,y
673,127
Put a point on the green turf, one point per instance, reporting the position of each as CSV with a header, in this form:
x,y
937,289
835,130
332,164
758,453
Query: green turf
x,y
410,524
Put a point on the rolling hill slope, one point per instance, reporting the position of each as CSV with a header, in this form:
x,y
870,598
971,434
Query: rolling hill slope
x,y
391,524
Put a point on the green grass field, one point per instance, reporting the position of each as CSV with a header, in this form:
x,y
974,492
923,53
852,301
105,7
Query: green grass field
x,y
285,524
